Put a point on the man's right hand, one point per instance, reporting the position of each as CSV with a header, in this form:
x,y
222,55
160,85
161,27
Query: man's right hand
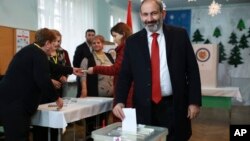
x,y
117,111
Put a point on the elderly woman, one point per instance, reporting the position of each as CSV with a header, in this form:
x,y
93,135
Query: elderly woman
x,y
97,85
59,56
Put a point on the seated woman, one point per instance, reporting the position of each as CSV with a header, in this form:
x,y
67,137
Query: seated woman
x,y
96,84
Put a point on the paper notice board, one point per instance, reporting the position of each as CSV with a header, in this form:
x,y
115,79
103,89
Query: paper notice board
x,y
22,39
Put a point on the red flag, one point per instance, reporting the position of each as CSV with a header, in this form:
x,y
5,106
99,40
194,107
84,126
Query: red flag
x,y
129,14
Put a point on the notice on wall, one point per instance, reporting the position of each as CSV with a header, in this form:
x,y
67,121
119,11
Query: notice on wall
x,y
22,39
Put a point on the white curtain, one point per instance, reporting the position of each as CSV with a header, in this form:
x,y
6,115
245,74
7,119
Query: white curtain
x,y
120,15
70,17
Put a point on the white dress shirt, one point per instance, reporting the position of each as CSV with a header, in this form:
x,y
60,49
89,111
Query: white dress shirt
x,y
166,87
90,48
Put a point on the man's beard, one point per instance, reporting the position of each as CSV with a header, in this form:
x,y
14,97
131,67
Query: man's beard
x,y
153,26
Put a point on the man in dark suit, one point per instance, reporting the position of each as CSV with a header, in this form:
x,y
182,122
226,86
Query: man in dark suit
x,y
179,97
82,51
26,80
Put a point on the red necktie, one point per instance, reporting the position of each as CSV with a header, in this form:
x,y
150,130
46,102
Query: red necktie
x,y
155,64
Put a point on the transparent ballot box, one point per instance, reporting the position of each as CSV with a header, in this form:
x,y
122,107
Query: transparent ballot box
x,y
113,132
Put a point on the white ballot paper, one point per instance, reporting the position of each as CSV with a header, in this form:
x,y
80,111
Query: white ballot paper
x,y
129,122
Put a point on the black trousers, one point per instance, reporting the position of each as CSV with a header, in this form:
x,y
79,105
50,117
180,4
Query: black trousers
x,y
15,121
162,115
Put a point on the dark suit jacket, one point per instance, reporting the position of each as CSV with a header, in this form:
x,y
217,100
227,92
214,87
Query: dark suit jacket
x,y
27,79
184,75
81,52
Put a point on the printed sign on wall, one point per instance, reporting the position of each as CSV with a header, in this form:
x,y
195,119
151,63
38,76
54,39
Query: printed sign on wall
x,y
22,39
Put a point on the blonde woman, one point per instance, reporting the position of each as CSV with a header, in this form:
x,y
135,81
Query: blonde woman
x,y
93,84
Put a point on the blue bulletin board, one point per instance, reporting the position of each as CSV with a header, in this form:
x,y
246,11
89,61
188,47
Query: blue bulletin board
x,y
180,18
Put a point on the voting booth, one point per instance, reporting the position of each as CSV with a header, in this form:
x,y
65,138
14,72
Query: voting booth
x,y
113,132
213,96
207,58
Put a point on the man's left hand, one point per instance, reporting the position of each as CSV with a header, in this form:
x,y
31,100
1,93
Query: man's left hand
x,y
193,111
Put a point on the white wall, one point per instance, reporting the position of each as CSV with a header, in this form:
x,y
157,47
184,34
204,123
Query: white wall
x,y
227,21
19,14
105,10
23,14
102,18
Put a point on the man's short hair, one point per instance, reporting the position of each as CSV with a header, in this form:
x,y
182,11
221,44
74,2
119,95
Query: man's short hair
x,y
89,30
158,2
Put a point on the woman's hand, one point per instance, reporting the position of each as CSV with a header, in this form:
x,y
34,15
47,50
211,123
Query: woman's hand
x,y
56,84
83,93
59,103
77,72
90,70
63,79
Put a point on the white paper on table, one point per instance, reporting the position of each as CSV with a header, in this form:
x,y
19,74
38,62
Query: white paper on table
x,y
129,122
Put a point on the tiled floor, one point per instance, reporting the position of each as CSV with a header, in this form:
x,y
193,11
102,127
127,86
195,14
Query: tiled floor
x,y
213,124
